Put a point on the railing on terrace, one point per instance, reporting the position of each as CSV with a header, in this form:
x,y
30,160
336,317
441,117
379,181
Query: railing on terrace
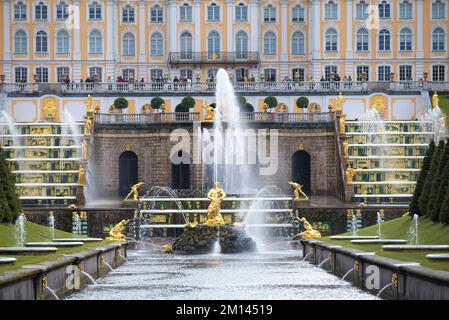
x,y
189,117
169,88
213,57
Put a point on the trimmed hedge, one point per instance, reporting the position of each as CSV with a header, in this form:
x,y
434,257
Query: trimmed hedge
x,y
156,103
271,102
188,102
120,103
302,102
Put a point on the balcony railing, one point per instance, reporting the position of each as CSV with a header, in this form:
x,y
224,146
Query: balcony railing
x,y
169,88
190,117
213,57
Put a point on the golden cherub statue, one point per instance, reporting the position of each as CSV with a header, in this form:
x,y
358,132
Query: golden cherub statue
x,y
350,173
435,100
88,104
81,176
210,112
309,233
83,151
298,191
339,104
87,125
115,234
215,195
134,192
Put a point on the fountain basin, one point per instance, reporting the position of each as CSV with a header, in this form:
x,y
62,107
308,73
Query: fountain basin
x,y
28,251
379,241
416,248
4,260
54,244
438,257
353,237
77,240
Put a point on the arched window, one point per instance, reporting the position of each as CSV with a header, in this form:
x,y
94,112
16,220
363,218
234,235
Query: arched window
x,y
384,10
298,43
361,10
128,172
41,42
213,12
128,15
95,42
438,10
269,14
20,11
241,12
213,43
157,44
331,10
41,11
186,45
405,10
94,11
362,40
185,13
331,40
128,44
62,42
157,14
405,40
438,40
269,43
62,11
384,40
298,14
241,45
20,42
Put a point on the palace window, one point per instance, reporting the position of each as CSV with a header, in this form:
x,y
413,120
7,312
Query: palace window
x,y
331,40
213,13
157,14
298,74
298,43
270,74
362,40
21,74
330,72
185,13
405,72
438,40
269,43
94,11
156,44
405,10
362,73
20,11
62,11
438,73
186,45
42,74
241,12
298,14
20,42
383,73
213,44
384,40
129,75
405,40
269,14
96,73
384,10
438,10
128,44
62,42
62,73
186,73
41,42
95,42
331,10
41,11
361,10
128,14
241,45
156,74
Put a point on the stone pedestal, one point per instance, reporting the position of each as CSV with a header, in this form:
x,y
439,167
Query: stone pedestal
x,y
80,198
234,239
198,240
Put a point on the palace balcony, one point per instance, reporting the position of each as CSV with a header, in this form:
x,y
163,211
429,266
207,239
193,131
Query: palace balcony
x,y
200,58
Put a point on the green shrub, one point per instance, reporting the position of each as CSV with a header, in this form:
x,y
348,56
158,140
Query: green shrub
x,y
9,201
120,103
433,208
156,103
302,103
241,100
188,102
271,102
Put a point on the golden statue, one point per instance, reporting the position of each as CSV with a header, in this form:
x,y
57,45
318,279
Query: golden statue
x,y
116,232
84,150
191,225
309,233
81,176
342,123
111,109
87,125
346,148
88,104
134,191
350,173
97,108
298,190
435,100
215,195
167,248
50,108
339,103
163,107
210,112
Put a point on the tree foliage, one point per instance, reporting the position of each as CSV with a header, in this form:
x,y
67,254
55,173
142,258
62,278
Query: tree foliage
x,y
302,102
9,201
120,103
156,103
188,102
439,186
271,102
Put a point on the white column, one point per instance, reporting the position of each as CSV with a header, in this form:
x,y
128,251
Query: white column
x,y
419,45
110,46
284,39
6,43
316,43
173,23
76,41
142,41
229,24
349,54
197,21
255,36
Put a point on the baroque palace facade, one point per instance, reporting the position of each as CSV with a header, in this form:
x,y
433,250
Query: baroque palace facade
x,y
378,40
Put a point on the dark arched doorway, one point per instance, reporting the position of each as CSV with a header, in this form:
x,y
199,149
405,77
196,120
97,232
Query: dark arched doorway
x,y
128,172
301,170
180,173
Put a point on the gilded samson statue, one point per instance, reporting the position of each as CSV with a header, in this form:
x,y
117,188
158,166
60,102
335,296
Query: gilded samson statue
x,y
209,113
215,195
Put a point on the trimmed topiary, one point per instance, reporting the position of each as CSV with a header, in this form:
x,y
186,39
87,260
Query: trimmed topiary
x,y
156,103
241,100
302,102
120,103
271,102
188,102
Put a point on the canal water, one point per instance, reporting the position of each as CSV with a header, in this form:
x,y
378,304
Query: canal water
x,y
266,275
